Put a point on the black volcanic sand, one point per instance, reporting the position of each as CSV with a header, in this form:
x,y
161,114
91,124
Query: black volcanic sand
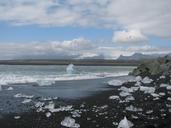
x,y
99,111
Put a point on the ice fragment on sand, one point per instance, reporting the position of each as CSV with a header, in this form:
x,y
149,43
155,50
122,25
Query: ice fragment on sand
x,y
163,85
168,87
116,82
48,114
114,97
147,80
162,77
19,95
26,101
125,123
138,78
70,123
17,117
129,98
147,89
133,109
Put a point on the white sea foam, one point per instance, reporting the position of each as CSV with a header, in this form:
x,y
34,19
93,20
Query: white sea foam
x,y
10,79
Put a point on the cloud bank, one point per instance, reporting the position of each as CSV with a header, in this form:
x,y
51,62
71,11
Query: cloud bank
x,y
79,48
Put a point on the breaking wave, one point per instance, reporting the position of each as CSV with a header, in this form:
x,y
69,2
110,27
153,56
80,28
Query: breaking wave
x,y
42,80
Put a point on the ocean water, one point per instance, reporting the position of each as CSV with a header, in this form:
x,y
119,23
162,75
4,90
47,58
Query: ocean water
x,y
49,74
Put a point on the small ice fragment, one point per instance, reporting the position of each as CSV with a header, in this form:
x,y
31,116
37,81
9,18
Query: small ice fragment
x,y
26,101
48,114
125,123
10,88
169,98
162,77
147,80
138,78
168,87
19,95
147,89
133,109
129,98
70,123
116,82
155,95
149,112
162,94
114,97
163,85
17,117
124,94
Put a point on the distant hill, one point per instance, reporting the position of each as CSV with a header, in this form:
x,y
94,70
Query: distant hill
x,y
140,56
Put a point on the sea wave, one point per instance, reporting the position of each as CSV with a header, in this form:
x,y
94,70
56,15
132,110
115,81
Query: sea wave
x,y
42,80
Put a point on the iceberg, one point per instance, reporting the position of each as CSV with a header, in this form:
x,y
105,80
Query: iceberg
x,y
70,69
10,88
125,123
70,123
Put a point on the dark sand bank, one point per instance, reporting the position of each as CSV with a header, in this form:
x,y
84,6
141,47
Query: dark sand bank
x,y
95,110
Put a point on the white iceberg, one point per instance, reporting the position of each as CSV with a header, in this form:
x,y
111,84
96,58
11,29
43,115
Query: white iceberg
x,y
10,88
70,123
70,69
125,123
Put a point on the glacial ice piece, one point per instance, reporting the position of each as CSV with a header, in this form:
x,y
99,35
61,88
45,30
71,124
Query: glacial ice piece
x,y
70,123
125,123
116,82
70,69
10,88
147,80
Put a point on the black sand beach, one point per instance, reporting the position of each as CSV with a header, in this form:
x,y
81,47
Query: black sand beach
x,y
93,110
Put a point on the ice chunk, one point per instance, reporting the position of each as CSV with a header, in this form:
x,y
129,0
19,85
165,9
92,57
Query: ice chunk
x,y
168,87
163,85
147,89
19,95
114,97
124,94
70,123
48,114
70,69
147,80
162,77
61,109
10,88
116,82
125,123
133,109
129,98
17,117
138,78
26,101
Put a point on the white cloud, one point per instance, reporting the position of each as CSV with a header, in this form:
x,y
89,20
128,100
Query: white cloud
x,y
152,17
129,37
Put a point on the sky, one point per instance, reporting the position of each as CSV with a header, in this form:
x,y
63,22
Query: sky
x,y
77,29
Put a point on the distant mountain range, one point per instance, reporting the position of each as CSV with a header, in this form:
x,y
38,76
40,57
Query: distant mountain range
x,y
140,56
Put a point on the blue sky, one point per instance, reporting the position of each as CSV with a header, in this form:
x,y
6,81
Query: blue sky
x,y
78,29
